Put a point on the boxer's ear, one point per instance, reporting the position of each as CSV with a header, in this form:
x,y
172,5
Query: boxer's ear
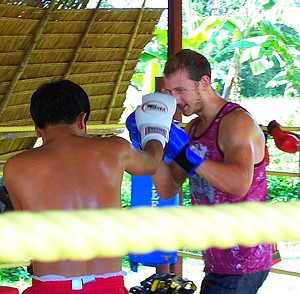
x,y
204,82
38,131
81,120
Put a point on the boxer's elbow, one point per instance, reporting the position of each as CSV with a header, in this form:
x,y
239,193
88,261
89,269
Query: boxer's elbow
x,y
166,191
242,192
241,188
166,194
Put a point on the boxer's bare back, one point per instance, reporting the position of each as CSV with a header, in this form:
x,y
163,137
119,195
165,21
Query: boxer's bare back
x,y
70,171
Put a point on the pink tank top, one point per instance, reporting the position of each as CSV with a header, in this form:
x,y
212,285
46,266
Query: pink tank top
x,y
239,259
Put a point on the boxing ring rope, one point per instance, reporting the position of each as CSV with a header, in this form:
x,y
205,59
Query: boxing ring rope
x,y
86,234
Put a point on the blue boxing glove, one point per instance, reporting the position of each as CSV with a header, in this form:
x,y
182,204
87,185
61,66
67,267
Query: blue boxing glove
x,y
134,133
179,150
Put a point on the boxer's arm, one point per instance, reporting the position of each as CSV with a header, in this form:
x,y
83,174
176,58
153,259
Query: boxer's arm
x,y
144,162
168,179
242,143
9,175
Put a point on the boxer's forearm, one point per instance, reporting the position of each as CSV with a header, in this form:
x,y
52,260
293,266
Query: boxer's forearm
x,y
168,179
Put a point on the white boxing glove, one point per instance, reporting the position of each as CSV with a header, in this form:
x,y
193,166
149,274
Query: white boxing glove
x,y
154,117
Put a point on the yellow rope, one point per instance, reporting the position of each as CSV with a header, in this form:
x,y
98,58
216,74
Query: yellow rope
x,y
86,234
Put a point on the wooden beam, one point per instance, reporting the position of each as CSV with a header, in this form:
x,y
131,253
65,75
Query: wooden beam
x,y
174,26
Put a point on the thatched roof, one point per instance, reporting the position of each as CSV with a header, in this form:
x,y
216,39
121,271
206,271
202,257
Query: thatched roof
x,y
96,48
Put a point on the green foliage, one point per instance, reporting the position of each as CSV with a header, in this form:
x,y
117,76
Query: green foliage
x,y
256,85
255,37
283,189
186,200
125,262
14,276
126,190
261,47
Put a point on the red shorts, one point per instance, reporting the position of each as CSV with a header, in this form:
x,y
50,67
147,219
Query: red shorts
x,y
112,285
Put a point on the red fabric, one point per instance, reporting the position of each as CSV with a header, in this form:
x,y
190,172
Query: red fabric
x,y
113,285
276,254
267,155
8,290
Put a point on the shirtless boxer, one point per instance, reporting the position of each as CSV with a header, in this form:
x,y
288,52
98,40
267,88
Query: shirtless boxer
x,y
71,171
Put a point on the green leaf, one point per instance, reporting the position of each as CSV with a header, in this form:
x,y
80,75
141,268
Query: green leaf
x,y
269,5
273,83
275,60
257,67
271,29
161,36
243,44
293,40
228,26
137,79
147,56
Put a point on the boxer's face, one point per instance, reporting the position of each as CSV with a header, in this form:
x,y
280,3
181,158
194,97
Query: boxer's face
x,y
185,91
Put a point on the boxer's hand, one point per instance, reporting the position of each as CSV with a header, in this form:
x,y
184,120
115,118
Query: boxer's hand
x,y
179,150
134,133
154,117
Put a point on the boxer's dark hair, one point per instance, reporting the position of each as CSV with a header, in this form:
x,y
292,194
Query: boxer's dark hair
x,y
194,63
58,102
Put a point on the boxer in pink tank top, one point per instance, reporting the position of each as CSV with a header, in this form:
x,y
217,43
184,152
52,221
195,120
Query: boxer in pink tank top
x,y
222,152
237,260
